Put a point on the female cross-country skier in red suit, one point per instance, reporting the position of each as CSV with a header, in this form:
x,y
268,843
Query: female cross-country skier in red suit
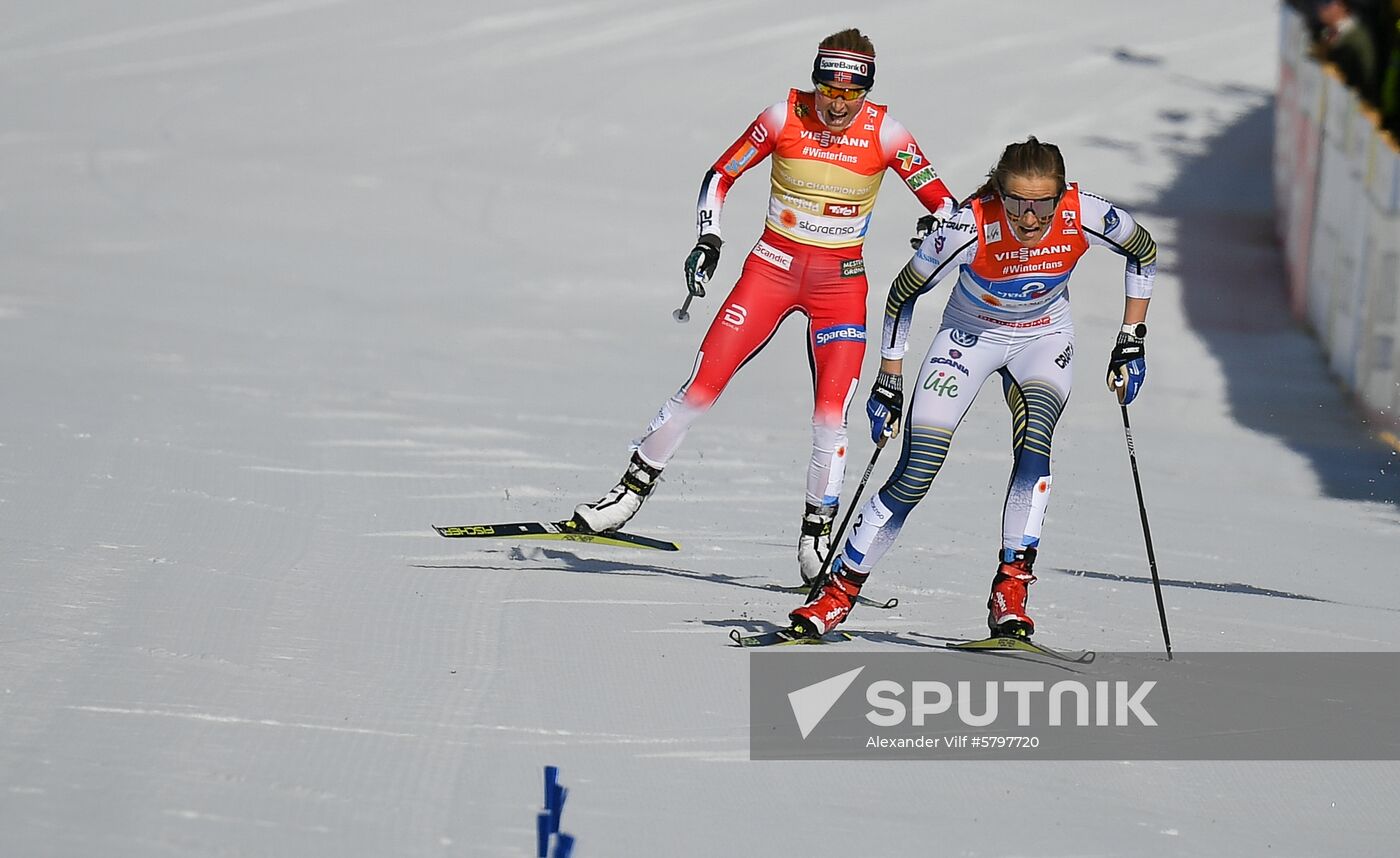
x,y
830,148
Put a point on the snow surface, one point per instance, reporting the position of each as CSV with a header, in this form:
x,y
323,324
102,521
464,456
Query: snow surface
x,y
285,282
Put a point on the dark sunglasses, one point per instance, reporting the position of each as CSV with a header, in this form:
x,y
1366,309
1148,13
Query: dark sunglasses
x,y
1042,208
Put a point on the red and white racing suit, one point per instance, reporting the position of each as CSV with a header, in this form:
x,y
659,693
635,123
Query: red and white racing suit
x,y
808,260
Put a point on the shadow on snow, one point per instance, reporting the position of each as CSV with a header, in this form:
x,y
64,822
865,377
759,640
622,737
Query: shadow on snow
x,y
1231,272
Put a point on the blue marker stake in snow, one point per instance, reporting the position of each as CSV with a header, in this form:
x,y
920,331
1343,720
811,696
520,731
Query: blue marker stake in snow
x,y
564,847
557,810
547,823
551,783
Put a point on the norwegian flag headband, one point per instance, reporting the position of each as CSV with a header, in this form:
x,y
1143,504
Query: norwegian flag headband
x,y
844,67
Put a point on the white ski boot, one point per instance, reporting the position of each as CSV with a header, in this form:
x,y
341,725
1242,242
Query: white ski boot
x,y
622,501
814,546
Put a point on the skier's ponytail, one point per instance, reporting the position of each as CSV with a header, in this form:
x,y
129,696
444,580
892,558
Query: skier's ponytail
x,y
1032,159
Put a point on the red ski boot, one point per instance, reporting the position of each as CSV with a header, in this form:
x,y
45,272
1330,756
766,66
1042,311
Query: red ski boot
x,y
828,605
1006,609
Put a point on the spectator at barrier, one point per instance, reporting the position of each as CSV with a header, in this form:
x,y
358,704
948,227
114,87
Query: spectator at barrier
x,y
1305,9
1347,43
1388,97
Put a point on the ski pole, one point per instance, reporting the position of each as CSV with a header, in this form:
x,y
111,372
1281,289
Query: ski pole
x,y
860,489
682,313
1147,533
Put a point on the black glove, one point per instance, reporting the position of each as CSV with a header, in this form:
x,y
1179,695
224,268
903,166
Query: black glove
x,y
700,264
886,405
1127,364
925,225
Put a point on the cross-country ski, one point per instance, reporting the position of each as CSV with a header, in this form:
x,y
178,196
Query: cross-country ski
x,y
567,531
